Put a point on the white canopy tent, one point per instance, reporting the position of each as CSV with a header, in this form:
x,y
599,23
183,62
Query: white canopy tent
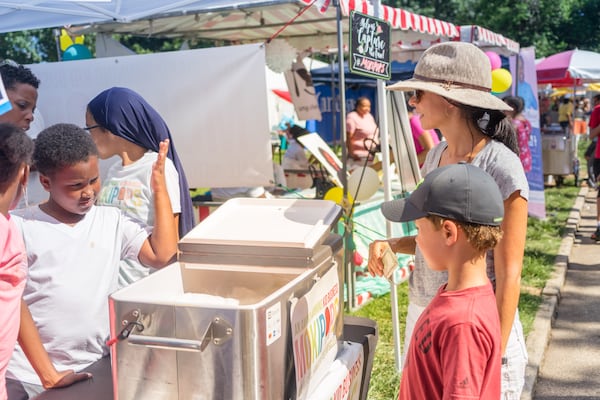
x,y
233,21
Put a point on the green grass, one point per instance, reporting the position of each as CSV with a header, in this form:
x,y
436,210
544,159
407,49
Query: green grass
x,y
542,245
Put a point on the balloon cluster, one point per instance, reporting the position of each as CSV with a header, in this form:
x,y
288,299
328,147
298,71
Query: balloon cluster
x,y
501,78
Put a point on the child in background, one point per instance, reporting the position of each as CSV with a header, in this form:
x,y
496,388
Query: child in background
x,y
122,123
15,156
73,254
455,348
22,90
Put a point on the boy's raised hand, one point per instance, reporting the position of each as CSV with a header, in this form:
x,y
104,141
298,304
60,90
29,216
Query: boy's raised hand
x,y
161,247
158,181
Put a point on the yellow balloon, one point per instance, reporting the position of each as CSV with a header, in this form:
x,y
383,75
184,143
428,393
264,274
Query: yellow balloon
x,y
501,80
336,194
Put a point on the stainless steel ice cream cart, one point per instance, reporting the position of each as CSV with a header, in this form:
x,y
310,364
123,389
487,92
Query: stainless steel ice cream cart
x,y
559,154
215,325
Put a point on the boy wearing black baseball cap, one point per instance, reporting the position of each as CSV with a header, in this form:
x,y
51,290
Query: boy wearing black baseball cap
x,y
455,348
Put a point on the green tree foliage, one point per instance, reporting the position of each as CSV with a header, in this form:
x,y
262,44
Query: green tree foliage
x,y
549,25
28,47
40,45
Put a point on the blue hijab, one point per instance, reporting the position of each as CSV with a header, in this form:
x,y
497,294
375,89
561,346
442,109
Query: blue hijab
x,y
127,115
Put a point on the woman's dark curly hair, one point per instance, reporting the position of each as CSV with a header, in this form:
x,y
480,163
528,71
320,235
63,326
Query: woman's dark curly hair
x,y
62,145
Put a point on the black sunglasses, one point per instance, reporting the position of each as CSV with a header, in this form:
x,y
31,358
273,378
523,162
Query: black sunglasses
x,y
417,94
89,128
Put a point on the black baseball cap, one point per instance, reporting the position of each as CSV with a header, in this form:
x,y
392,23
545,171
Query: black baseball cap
x,y
461,192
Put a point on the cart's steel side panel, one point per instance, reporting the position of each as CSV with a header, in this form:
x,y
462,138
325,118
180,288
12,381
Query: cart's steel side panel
x,y
242,366
177,343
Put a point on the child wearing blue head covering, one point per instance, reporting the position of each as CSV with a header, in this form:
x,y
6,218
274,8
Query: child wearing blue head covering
x,y
122,123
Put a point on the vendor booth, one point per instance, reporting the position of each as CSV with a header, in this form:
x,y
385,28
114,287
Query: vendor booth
x,y
569,69
223,114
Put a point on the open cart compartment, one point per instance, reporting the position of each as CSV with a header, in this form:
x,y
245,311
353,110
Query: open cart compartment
x,y
199,329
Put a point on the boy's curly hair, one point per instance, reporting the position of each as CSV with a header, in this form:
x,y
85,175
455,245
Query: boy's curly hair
x,y
62,145
16,148
481,237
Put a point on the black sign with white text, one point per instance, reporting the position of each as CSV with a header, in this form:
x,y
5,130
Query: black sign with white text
x,y
370,46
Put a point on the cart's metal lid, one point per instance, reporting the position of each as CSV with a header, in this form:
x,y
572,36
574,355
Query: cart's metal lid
x,y
263,226
247,256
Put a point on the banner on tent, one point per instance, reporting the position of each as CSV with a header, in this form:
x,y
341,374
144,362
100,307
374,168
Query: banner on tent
x,y
525,72
302,92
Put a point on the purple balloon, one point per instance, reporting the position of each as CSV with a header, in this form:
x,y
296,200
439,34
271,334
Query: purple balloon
x,y
494,58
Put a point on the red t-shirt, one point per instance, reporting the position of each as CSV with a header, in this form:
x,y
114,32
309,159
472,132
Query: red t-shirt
x,y
594,122
455,348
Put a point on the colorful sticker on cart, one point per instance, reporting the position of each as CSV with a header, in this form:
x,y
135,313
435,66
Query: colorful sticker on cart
x,y
313,320
273,323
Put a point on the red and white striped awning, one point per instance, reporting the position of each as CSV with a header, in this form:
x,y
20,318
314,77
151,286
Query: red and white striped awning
x,y
404,20
485,38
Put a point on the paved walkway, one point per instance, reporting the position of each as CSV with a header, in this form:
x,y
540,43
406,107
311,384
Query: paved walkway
x,y
564,345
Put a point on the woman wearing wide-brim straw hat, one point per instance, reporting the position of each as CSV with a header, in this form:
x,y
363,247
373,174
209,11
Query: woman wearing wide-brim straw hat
x,y
452,93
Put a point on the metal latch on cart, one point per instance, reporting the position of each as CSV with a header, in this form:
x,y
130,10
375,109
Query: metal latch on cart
x,y
219,332
130,322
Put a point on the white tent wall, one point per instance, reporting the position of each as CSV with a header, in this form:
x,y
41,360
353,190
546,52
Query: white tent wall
x,y
214,101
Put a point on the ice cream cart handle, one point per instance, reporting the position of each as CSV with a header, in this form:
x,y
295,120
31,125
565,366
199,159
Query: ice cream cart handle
x,y
166,343
218,333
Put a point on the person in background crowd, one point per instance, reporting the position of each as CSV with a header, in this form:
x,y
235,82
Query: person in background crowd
x,y
522,127
22,90
594,134
579,118
565,114
452,84
295,155
361,134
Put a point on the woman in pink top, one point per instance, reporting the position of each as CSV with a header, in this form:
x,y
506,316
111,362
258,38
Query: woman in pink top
x,y
361,125
15,155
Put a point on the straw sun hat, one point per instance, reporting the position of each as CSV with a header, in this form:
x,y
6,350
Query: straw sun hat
x,y
458,71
